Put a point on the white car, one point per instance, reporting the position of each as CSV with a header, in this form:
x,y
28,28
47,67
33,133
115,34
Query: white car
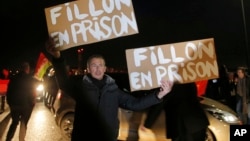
x,y
220,117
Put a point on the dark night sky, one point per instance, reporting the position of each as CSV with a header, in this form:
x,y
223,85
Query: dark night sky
x,y
24,29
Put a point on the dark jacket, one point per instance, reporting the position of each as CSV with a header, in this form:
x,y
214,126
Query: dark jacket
x,y
183,111
96,111
21,90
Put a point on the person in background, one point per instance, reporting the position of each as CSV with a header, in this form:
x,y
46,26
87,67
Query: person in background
x,y
224,91
4,78
213,89
98,97
218,88
185,118
232,78
21,98
243,95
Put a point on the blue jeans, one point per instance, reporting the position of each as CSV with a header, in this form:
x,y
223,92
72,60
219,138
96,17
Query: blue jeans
x,y
245,118
248,113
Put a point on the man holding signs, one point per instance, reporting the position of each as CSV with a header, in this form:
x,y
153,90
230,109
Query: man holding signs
x,y
98,97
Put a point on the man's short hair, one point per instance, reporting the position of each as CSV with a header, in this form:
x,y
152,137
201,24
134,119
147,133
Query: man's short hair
x,y
243,69
95,56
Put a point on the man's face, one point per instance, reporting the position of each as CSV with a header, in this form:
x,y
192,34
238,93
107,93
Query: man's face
x,y
240,73
97,68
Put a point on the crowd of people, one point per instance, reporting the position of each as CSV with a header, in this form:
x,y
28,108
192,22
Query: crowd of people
x,y
98,95
232,88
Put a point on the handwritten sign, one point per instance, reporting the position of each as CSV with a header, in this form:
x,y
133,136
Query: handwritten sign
x,y
180,62
88,21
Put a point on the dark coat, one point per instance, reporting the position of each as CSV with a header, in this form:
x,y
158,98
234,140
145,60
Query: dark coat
x,y
183,108
96,111
21,90
183,111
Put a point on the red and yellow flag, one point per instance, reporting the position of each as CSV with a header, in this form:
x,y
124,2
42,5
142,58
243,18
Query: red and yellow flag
x,y
41,67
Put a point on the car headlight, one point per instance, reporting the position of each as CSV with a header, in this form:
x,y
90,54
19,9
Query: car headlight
x,y
39,88
223,115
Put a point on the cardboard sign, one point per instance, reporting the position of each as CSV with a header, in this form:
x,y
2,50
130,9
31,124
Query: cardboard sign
x,y
88,21
180,62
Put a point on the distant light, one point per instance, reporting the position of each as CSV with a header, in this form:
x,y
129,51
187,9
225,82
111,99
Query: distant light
x,y
214,80
80,50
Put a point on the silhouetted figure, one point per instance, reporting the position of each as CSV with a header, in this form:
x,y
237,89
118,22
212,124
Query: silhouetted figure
x,y
218,88
232,79
224,84
21,99
185,118
212,90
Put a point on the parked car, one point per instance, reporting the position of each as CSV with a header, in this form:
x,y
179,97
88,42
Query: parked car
x,y
64,107
50,89
220,117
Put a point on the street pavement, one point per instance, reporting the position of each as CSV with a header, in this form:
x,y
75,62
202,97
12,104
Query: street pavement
x,y
3,117
5,113
42,126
